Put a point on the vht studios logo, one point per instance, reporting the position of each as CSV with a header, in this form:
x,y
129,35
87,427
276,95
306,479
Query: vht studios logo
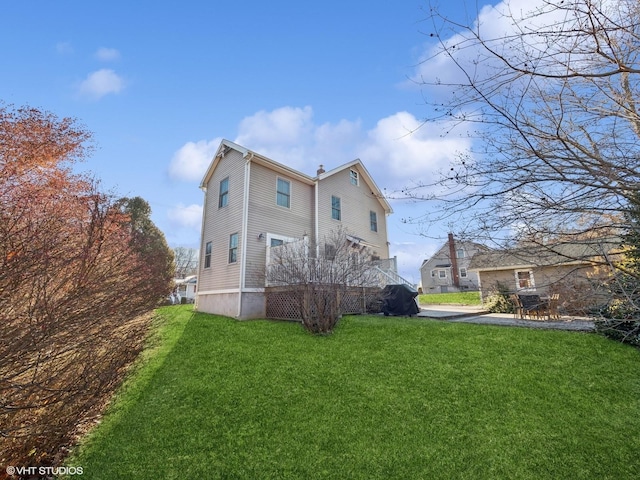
x,y
43,471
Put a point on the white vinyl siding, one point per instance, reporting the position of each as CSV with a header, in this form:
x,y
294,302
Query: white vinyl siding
x,y
268,218
220,223
356,205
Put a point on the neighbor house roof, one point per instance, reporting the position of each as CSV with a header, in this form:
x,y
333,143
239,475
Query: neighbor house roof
x,y
566,253
467,244
225,145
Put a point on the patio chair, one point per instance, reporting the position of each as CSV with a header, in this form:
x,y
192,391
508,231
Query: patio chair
x,y
533,306
517,306
553,306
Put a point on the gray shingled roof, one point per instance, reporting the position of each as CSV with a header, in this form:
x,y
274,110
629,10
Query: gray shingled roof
x,y
537,255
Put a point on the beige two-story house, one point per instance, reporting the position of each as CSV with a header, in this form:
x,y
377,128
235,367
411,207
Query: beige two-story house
x,y
252,202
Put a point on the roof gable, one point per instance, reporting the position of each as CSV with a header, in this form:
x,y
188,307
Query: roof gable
x,y
226,145
443,251
249,155
365,176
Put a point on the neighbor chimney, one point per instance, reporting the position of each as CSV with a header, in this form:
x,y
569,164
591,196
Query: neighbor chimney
x,y
454,261
320,169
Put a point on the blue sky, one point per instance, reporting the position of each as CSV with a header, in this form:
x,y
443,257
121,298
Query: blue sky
x,y
160,84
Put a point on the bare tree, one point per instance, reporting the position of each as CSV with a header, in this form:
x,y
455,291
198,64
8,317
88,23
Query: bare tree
x,y
186,260
319,275
550,96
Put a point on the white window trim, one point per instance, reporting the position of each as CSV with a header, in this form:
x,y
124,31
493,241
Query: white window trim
x,y
357,177
531,279
340,210
290,192
226,193
375,214
276,236
237,249
466,273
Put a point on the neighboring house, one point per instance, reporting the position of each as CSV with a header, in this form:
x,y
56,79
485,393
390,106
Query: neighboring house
x,y
252,202
564,267
448,269
186,287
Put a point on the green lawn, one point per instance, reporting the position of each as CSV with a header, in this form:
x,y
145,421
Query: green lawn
x,y
381,398
456,298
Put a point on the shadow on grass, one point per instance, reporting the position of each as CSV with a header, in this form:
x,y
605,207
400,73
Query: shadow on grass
x,y
380,398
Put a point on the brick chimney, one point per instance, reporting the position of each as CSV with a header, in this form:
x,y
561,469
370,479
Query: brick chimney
x,y
454,261
320,169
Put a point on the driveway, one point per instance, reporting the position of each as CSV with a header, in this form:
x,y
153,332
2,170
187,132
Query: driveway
x,y
475,314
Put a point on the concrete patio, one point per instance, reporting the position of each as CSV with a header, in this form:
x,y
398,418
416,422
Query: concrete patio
x,y
475,314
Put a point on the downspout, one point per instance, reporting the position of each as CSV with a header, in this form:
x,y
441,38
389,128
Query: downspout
x,y
245,222
316,220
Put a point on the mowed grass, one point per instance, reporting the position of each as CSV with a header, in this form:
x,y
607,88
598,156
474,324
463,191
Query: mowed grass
x,y
455,298
381,398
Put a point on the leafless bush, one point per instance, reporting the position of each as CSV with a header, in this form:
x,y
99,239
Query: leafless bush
x,y
76,276
319,274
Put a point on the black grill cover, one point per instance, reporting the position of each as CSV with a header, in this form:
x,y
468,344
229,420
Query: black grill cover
x,y
399,300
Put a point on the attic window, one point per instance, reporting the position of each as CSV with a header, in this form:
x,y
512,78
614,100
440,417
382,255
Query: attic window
x,y
354,178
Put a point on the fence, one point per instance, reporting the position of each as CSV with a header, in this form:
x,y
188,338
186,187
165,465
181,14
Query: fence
x,y
283,302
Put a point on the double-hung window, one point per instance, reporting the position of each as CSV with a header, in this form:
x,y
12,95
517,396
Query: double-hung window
x,y
207,255
336,212
353,177
233,248
223,197
283,197
373,221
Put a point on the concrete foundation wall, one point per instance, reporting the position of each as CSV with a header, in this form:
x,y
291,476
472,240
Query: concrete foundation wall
x,y
253,304
219,303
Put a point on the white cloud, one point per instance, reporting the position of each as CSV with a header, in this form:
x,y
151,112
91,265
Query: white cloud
x,y
186,216
282,126
410,255
284,134
107,54
403,150
101,83
191,161
506,19
398,151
